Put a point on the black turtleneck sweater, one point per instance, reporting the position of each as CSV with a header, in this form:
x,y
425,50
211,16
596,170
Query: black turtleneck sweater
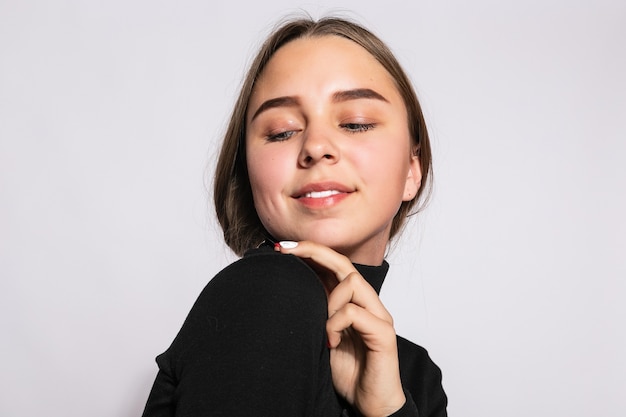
x,y
254,343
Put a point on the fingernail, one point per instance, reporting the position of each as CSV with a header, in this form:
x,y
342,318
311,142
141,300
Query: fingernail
x,y
276,246
328,344
288,244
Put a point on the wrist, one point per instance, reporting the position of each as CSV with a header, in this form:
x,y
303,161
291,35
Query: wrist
x,y
392,405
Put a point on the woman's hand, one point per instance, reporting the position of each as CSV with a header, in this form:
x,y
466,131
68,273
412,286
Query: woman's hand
x,y
361,336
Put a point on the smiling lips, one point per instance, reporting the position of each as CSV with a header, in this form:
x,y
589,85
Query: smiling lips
x,y
322,195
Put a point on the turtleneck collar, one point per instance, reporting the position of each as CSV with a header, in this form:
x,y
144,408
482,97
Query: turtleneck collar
x,y
374,275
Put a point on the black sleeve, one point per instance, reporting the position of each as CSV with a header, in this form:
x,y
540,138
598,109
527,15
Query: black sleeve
x,y
254,343
421,377
409,409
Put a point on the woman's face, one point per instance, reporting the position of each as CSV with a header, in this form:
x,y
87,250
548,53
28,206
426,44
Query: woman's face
x,y
328,147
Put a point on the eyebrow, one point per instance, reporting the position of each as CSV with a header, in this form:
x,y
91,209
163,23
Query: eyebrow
x,y
338,97
286,101
356,94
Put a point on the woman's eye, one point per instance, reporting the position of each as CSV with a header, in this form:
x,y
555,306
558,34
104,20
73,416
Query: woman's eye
x,y
358,127
281,136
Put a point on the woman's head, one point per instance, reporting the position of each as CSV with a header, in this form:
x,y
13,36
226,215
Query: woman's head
x,y
234,196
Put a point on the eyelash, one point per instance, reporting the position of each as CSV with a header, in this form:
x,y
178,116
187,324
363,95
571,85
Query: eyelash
x,y
358,127
281,136
350,127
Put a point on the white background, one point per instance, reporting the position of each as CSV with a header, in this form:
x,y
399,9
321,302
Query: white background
x,y
513,278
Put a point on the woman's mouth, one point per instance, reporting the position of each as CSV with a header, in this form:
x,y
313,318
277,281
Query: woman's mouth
x,y
320,194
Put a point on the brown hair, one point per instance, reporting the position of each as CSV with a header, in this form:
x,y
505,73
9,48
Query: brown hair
x,y
231,189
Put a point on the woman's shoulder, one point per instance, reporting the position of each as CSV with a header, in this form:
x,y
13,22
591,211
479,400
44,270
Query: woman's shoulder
x,y
264,270
263,261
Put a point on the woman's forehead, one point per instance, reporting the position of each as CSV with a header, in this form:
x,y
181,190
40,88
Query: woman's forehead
x,y
321,66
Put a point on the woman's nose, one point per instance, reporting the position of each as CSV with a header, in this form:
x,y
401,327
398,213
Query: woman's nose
x,y
318,146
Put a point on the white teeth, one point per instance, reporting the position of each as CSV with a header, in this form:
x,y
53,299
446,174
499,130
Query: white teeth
x,y
321,194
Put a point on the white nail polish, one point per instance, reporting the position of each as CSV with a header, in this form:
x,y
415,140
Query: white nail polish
x,y
288,244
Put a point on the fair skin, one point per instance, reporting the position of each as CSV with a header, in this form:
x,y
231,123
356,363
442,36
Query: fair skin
x,y
330,160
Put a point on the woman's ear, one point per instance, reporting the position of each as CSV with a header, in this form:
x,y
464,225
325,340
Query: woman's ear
x,y
413,178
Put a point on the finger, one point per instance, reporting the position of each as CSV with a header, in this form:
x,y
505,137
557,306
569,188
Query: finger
x,y
355,289
320,255
377,334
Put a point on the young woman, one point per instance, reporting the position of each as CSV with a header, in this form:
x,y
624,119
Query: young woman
x,y
325,155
